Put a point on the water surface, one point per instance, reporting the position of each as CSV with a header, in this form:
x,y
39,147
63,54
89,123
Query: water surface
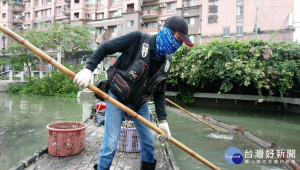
x,y
280,128
23,121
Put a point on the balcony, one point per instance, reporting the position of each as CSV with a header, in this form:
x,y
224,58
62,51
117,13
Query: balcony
x,y
151,14
67,12
18,19
150,30
18,7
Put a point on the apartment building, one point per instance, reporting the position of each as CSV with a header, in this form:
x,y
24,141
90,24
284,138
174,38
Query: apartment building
x,y
207,19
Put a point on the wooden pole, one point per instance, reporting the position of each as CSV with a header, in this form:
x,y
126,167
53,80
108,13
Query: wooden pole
x,y
189,113
105,96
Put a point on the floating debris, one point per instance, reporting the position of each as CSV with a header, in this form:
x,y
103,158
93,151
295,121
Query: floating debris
x,y
221,136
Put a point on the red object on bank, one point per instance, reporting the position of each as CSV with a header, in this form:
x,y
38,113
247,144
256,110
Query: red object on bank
x,y
65,138
100,106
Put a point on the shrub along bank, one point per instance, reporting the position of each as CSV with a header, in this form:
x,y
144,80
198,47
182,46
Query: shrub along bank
x,y
54,84
261,67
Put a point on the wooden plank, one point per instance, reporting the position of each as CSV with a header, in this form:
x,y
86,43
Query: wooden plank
x,y
89,156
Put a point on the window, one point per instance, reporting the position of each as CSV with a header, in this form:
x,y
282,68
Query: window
x,y
239,31
76,15
90,16
42,12
120,12
171,6
226,32
114,14
130,23
101,2
28,15
101,16
119,27
101,30
150,24
190,21
190,3
114,31
114,1
130,7
91,2
61,9
3,15
239,11
37,2
76,1
36,14
3,3
150,7
192,38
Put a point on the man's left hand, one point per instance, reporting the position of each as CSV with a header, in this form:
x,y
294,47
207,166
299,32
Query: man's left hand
x,y
163,125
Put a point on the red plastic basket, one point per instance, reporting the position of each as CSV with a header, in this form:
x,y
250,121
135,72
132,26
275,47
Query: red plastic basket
x,y
65,138
129,140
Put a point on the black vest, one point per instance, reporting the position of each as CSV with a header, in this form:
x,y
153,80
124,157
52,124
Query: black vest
x,y
133,85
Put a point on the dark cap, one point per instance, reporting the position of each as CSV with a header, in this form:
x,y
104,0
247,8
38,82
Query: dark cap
x,y
179,25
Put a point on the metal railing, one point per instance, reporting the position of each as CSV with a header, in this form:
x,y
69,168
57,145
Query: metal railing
x,y
11,75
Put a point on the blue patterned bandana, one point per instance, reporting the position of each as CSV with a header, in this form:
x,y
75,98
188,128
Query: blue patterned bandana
x,y
166,43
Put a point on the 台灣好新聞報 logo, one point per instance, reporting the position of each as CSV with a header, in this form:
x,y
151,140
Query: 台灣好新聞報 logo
x,y
233,155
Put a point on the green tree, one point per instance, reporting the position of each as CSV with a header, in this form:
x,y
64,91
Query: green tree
x,y
69,39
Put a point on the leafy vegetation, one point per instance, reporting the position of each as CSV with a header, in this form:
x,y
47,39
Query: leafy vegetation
x,y
55,84
68,38
270,67
64,37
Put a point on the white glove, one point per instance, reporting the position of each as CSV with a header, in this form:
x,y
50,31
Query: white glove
x,y
83,78
163,125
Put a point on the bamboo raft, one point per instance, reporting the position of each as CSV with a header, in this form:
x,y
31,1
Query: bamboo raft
x,y
89,156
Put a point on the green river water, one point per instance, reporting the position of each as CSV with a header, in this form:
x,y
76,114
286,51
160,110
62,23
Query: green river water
x,y
23,121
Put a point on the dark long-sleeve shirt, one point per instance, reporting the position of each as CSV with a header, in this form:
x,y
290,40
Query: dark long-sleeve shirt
x,y
128,45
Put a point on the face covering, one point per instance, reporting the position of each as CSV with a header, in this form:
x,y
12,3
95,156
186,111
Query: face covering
x,y
166,43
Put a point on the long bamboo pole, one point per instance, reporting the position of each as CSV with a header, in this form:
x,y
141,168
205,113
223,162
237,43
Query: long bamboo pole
x,y
190,114
105,96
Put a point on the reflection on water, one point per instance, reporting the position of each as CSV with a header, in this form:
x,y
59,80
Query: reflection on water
x,y
282,129
23,121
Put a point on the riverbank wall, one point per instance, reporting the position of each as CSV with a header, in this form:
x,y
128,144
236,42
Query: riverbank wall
x,y
249,102
4,85
230,101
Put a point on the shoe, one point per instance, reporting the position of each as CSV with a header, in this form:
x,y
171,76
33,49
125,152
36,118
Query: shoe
x,y
148,165
95,166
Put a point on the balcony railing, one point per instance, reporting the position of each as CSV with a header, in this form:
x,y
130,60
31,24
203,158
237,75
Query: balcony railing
x,y
151,14
18,7
18,19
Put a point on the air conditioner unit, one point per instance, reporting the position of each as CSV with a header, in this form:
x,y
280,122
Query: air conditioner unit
x,y
158,22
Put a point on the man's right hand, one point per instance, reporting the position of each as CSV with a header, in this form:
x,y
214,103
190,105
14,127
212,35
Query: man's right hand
x,y
83,78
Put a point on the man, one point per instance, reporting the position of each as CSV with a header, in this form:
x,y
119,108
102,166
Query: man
x,y
141,72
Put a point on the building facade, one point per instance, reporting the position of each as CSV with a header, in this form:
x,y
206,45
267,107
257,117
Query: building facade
x,y
207,19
